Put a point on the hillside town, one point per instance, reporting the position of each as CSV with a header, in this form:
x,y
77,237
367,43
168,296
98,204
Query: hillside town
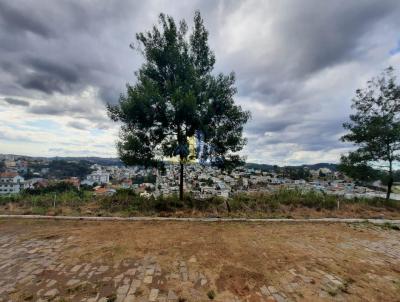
x,y
201,181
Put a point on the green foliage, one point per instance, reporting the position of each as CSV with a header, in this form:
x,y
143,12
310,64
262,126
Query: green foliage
x,y
272,202
211,294
149,178
375,127
391,226
46,198
40,210
357,169
63,169
58,187
295,172
209,182
177,96
127,202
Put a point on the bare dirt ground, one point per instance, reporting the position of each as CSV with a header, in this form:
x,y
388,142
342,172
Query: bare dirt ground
x,y
193,261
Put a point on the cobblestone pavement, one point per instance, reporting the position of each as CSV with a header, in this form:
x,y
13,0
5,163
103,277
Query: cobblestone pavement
x,y
37,264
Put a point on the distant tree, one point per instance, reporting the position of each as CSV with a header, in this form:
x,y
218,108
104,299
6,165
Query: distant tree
x,y
58,187
357,169
63,169
28,174
176,96
375,127
2,166
209,182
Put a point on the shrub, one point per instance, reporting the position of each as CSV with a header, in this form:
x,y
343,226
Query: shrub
x,y
211,295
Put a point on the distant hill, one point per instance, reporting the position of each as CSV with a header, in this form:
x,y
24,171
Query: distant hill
x,y
112,161
332,167
269,168
262,167
104,161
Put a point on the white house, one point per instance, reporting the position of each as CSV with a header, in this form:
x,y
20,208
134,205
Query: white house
x,y
299,182
98,177
11,183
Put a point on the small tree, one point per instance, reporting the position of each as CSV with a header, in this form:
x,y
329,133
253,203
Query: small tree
x,y
176,97
374,128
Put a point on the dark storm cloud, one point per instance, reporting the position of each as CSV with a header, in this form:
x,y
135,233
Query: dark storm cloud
x,y
49,77
286,55
17,21
309,37
16,102
48,110
324,33
71,109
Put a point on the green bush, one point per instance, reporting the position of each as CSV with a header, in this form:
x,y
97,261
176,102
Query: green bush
x,y
131,203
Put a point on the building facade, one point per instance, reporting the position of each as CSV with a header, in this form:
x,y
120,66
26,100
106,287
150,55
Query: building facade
x,y
11,183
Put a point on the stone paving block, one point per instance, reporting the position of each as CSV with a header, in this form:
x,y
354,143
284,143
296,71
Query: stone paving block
x,y
264,290
103,269
122,290
153,295
183,269
51,283
279,298
150,272
117,279
272,290
148,279
130,298
136,283
76,268
174,276
52,293
172,296
193,276
73,282
193,259
131,272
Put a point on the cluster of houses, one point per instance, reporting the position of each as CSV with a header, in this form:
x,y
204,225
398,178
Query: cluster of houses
x,y
207,181
200,181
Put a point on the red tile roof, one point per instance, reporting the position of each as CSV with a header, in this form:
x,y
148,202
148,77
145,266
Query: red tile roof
x,y
8,174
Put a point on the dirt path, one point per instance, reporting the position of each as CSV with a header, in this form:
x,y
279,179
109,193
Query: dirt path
x,y
62,260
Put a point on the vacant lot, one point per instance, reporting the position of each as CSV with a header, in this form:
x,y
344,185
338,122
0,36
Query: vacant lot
x,y
187,261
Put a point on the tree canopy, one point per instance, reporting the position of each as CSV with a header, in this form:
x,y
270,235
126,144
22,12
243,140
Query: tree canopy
x,y
374,127
176,96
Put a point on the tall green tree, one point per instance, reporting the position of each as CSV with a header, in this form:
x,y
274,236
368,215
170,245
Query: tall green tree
x,y
375,128
176,96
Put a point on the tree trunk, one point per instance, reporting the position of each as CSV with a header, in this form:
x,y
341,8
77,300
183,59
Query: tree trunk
x,y
390,182
181,182
389,186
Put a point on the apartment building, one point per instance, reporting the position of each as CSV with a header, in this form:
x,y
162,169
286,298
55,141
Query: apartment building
x,y
11,183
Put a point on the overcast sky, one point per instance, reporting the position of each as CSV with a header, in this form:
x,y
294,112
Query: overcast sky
x,y
297,64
